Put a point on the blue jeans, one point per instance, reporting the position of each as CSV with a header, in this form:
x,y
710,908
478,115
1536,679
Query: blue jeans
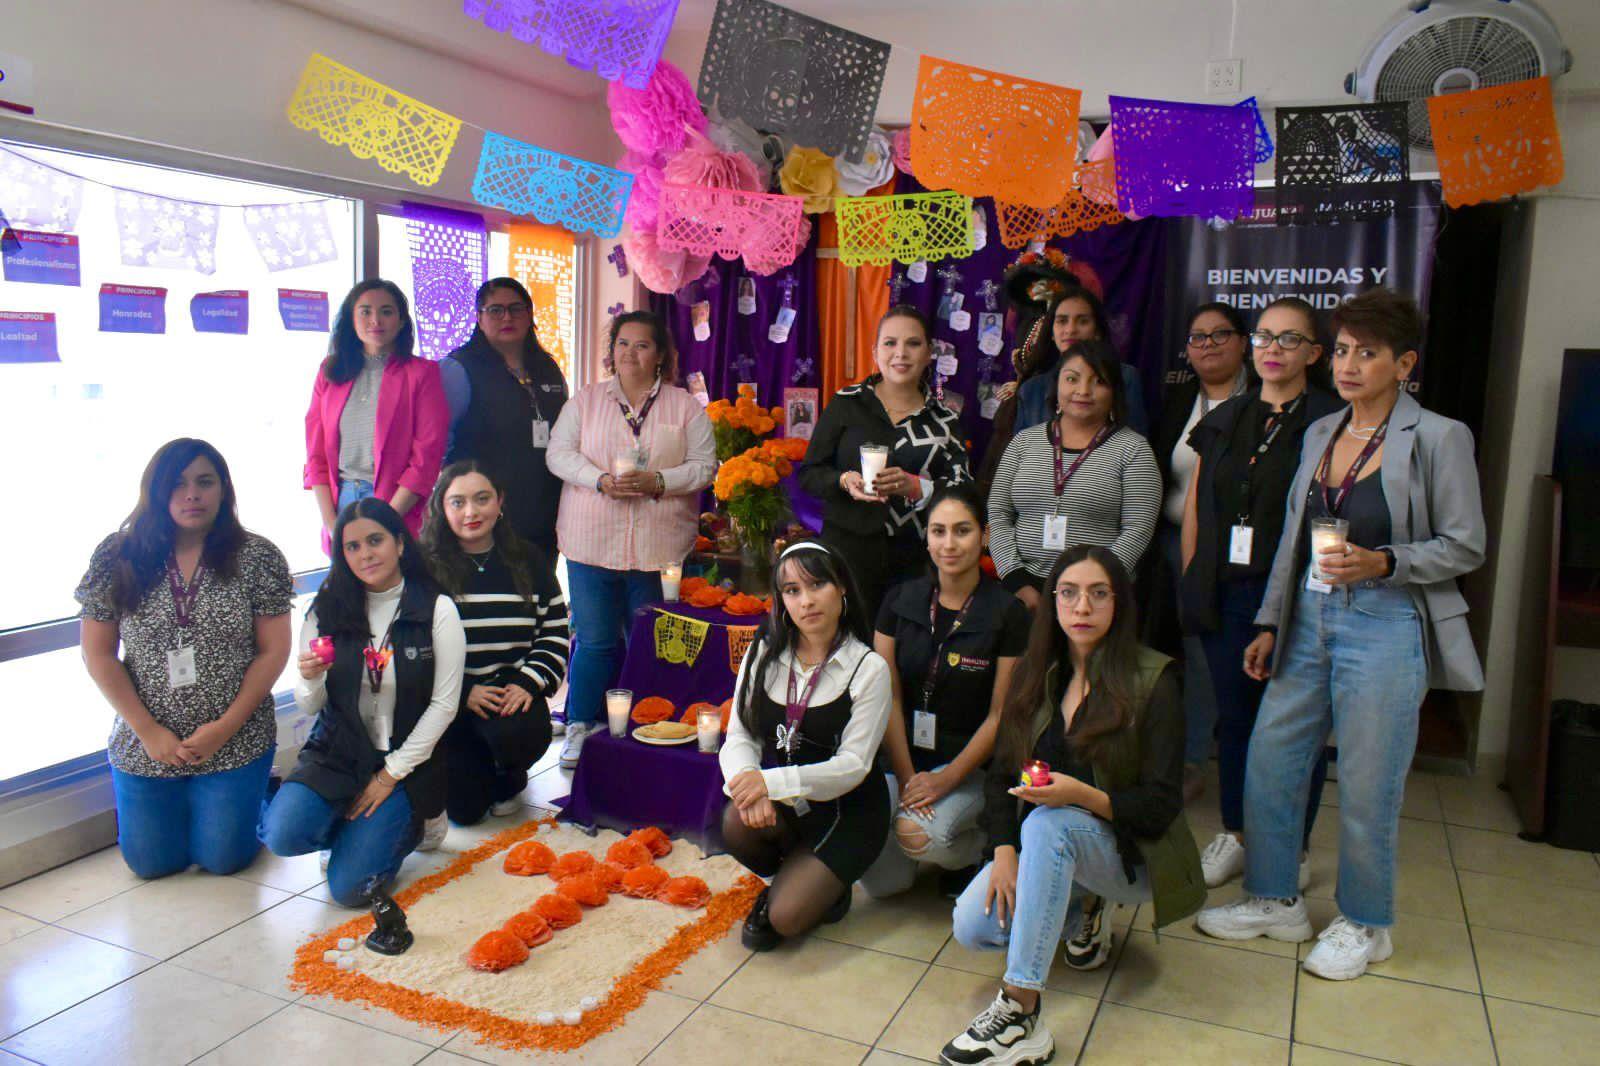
x,y
955,841
1355,667
1199,700
1066,853
298,822
351,491
603,603
167,824
1239,699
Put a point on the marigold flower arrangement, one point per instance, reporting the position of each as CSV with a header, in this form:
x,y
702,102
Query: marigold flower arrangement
x,y
748,486
740,425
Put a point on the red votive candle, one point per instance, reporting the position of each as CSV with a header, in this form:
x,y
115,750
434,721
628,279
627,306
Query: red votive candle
x,y
322,648
1035,773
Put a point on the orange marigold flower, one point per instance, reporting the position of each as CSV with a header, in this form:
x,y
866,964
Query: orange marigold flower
x,y
608,874
529,928
643,882
529,858
585,889
559,911
684,892
572,864
497,950
629,854
654,838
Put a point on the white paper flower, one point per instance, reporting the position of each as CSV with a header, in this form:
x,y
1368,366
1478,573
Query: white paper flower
x,y
875,168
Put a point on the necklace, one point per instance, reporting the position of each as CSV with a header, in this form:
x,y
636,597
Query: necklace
x,y
480,563
1362,433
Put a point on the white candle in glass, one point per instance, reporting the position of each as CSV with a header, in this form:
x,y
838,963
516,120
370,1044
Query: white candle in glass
x,y
709,728
619,704
1326,533
671,580
874,457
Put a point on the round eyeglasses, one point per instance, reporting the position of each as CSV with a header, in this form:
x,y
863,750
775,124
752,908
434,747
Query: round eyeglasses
x,y
1288,340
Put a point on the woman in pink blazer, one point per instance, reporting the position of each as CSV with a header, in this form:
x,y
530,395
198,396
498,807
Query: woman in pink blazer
x,y
378,421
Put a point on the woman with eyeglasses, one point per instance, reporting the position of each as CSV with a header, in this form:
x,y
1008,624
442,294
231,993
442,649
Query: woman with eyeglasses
x,y
1353,644
1093,723
1083,477
505,394
1214,346
1248,450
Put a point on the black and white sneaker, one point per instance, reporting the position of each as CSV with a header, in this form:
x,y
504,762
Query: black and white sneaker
x,y
1090,946
1002,1035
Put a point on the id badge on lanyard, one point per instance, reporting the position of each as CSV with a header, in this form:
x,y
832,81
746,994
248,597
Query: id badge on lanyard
x,y
541,433
181,670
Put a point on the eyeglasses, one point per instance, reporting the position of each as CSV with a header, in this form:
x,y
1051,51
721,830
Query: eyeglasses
x,y
1288,340
1099,595
1217,337
496,312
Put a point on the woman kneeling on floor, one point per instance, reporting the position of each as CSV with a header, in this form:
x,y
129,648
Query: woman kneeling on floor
x,y
1106,717
368,777
810,706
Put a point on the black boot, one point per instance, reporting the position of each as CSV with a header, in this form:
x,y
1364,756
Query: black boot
x,y
840,908
758,933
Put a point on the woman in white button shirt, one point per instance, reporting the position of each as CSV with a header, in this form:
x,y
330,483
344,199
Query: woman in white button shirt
x,y
810,708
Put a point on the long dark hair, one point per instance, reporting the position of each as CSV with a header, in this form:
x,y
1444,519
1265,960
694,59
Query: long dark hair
x,y
778,633
968,495
480,343
450,564
1107,369
345,351
667,366
148,534
1045,352
341,602
1113,668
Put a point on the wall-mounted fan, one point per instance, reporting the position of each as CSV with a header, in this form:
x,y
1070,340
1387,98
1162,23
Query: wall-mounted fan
x,y
1443,46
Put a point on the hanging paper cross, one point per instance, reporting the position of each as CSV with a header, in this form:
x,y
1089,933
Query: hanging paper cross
x,y
762,228
617,39
1496,142
910,228
619,259
744,367
987,292
897,285
615,309
291,235
38,197
1341,164
401,134
155,231
947,300
1078,211
784,72
1263,137
554,188
788,283
1183,159
989,134
449,260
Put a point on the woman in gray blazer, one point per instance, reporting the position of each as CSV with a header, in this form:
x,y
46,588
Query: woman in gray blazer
x,y
1353,643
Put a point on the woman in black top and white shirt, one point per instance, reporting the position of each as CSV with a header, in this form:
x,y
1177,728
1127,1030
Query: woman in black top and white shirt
x,y
809,811
953,640
368,777
1083,477
881,532
1248,450
515,618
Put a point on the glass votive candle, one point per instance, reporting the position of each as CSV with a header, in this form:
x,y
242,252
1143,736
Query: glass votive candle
x,y
625,463
709,727
1326,533
619,704
671,580
322,648
1035,774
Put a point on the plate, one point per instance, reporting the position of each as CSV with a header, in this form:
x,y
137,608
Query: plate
x,y
665,742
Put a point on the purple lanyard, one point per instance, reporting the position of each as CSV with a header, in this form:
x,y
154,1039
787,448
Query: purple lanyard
x,y
795,710
183,598
938,649
1055,450
1336,501
636,422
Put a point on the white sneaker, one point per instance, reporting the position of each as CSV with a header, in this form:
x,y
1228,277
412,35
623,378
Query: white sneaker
x,y
1254,916
1345,948
1223,860
507,807
433,831
572,743
322,860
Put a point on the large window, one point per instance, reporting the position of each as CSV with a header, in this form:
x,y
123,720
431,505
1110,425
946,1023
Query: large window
x,y
76,433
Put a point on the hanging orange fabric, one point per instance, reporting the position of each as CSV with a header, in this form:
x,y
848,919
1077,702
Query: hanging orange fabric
x,y
545,260
1496,142
849,304
990,134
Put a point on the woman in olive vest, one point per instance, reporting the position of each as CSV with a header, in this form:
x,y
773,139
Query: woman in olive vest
x,y
1095,721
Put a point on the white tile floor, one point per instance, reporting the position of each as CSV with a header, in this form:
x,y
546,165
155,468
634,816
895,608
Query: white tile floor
x,y
1497,960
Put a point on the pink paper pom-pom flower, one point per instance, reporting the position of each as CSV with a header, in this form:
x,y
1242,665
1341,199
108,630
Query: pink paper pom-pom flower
x,y
644,205
658,269
901,142
702,163
658,117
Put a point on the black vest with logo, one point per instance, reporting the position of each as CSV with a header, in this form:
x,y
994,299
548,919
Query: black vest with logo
x,y
339,757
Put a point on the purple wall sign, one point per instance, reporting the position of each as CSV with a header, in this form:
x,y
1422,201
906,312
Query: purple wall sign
x,y
132,309
28,337
40,258
221,312
303,309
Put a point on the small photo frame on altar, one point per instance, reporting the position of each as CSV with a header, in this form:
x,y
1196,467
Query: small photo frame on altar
x,y
696,384
800,412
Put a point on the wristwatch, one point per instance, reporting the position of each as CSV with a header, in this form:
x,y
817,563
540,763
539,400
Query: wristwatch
x,y
1388,553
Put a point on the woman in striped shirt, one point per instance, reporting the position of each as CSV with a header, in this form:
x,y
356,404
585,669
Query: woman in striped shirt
x,y
516,624
1083,477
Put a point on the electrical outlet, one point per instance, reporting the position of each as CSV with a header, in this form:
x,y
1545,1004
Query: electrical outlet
x,y
1224,77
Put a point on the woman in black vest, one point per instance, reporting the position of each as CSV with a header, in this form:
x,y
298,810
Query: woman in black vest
x,y
505,392
953,639
510,603
367,778
1249,449
809,811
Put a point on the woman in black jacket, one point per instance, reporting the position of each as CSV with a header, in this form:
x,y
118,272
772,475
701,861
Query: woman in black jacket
x,y
505,392
1249,448
880,532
